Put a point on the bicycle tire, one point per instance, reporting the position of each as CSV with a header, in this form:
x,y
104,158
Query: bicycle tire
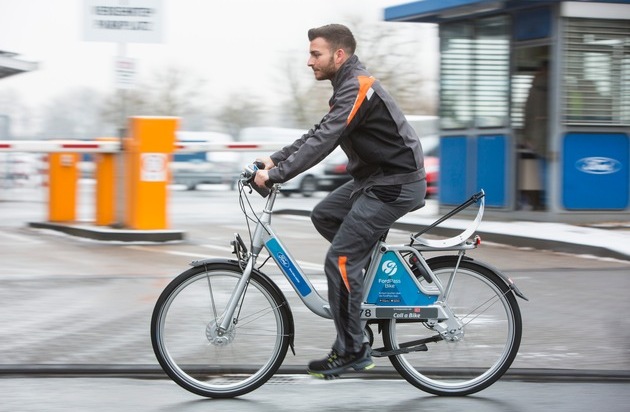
x,y
186,344
486,349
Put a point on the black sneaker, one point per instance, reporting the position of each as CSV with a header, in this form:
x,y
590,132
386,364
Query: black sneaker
x,y
335,364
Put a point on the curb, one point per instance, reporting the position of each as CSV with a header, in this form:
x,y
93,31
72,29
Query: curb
x,y
156,372
112,234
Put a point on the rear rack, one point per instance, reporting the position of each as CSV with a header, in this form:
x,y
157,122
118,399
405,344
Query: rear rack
x,y
462,237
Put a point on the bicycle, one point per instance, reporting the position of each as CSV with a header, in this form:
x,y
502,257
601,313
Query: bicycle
x,y
450,325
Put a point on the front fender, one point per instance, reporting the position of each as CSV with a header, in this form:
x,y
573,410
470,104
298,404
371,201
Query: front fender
x,y
202,262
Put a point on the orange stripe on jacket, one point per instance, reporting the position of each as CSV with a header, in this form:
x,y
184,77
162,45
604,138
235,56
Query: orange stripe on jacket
x,y
342,269
365,83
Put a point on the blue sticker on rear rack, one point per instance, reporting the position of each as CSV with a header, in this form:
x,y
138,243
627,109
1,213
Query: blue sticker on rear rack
x,y
288,267
394,286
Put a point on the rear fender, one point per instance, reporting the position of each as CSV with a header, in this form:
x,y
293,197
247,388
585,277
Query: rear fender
x,y
509,282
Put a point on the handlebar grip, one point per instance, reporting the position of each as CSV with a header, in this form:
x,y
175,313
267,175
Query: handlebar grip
x,y
263,191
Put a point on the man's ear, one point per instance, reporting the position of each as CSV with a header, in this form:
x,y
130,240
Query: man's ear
x,y
340,56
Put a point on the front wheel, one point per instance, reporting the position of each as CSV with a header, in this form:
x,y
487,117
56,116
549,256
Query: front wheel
x,y
212,363
472,356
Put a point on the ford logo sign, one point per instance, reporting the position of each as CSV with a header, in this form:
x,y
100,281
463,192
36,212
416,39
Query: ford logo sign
x,y
284,261
598,165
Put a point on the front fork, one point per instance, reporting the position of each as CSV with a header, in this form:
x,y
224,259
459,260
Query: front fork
x,y
240,250
229,320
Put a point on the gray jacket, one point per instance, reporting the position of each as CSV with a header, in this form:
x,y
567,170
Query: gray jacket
x,y
382,147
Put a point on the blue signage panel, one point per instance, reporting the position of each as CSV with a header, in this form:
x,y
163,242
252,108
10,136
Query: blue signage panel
x,y
491,168
595,171
453,170
286,264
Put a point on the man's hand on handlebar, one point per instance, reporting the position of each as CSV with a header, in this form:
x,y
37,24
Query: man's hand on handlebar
x,y
261,178
257,176
267,162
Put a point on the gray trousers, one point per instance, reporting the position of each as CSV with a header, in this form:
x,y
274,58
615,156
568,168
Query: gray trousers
x,y
353,226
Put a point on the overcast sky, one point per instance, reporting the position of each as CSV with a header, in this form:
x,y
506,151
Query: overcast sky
x,y
233,44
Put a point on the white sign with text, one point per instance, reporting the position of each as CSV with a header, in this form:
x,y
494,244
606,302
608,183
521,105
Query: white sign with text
x,y
154,167
123,21
125,72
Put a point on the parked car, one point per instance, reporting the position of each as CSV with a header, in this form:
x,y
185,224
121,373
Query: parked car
x,y
193,169
281,136
427,129
331,172
431,149
21,169
327,175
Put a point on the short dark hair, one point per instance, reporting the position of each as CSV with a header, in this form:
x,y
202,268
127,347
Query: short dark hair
x,y
337,35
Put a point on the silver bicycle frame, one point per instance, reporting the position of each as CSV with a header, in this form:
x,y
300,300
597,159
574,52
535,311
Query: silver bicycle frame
x,y
265,237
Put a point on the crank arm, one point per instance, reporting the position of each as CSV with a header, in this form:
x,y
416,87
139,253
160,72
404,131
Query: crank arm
x,y
413,346
381,352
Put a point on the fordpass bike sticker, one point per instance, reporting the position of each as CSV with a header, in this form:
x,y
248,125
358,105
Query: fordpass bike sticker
x,y
394,286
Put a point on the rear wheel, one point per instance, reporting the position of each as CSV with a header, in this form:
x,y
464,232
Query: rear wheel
x,y
200,358
471,355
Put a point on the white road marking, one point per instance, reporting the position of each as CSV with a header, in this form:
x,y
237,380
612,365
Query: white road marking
x,y
173,252
11,237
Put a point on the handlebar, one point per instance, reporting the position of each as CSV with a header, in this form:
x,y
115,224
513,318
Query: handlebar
x,y
249,173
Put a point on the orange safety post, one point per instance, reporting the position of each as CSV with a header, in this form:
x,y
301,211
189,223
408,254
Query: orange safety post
x,y
105,193
148,151
63,175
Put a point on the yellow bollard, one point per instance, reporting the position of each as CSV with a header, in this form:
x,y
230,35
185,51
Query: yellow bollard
x,y
63,176
148,151
105,193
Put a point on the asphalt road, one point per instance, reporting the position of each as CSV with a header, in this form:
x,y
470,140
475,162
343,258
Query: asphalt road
x,y
68,302
301,393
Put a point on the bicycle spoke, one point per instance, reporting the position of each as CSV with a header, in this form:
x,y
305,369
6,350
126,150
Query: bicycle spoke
x,y
474,354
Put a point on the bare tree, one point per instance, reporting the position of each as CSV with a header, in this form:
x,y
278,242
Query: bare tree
x,y
307,99
398,55
121,104
74,115
175,91
172,91
22,120
239,112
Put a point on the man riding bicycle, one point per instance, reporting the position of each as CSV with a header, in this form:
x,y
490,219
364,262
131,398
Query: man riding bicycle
x,y
386,162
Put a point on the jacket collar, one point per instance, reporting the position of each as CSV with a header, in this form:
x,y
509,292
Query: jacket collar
x,y
345,69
